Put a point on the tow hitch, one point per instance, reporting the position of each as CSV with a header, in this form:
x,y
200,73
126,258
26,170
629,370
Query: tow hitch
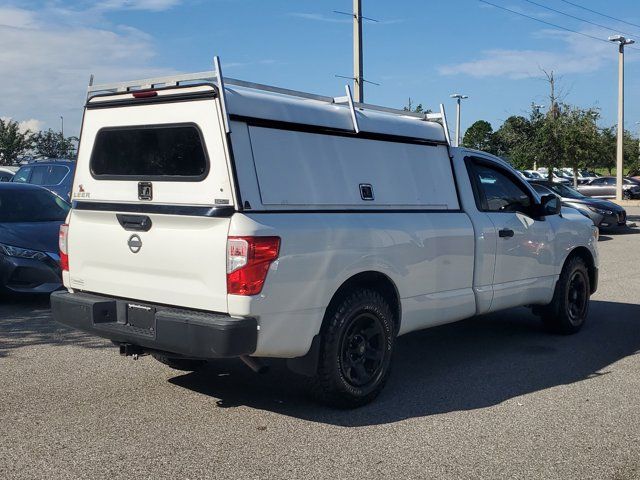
x,y
129,350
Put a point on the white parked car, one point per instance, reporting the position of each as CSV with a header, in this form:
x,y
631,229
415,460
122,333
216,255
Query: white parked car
x,y
249,221
534,174
6,174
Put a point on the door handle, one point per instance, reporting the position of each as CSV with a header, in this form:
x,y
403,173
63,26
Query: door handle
x,y
505,233
135,223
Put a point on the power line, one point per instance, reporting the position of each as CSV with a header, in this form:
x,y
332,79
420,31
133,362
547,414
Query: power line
x,y
593,37
580,19
544,21
600,13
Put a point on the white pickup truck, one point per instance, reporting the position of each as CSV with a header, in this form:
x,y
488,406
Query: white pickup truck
x,y
244,220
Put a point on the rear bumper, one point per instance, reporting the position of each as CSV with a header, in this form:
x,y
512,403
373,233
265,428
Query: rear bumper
x,y
183,332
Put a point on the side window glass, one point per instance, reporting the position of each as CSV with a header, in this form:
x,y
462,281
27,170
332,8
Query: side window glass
x,y
610,181
39,175
23,175
56,174
499,191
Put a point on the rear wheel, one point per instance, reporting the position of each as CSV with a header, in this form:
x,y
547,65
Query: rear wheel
x,y
177,363
355,352
569,308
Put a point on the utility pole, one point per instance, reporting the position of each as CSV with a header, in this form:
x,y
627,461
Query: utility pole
x,y
62,126
358,82
458,98
554,113
622,41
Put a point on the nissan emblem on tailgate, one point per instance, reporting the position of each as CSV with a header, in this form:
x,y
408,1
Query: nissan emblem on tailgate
x,y
145,191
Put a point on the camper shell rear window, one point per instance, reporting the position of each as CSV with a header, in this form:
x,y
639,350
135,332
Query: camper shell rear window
x,y
154,152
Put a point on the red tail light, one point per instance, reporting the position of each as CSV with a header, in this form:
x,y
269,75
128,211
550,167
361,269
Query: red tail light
x,y
63,245
145,94
248,261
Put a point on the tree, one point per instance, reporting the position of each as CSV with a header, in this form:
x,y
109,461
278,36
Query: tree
x,y
480,136
13,142
50,144
631,152
514,141
579,137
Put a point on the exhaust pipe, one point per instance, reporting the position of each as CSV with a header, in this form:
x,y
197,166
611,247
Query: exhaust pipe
x,y
254,364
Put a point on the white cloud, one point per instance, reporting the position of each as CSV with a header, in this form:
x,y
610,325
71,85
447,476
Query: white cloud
x,y
47,57
32,124
16,17
579,55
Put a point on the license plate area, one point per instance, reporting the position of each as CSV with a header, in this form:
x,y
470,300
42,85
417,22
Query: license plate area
x,y
141,317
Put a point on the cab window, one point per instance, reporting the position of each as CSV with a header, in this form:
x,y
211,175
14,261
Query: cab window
x,y
497,191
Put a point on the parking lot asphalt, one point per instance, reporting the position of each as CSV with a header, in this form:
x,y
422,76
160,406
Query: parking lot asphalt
x,y
489,397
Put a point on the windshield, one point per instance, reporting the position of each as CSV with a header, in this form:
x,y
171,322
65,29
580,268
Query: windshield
x,y
564,191
32,205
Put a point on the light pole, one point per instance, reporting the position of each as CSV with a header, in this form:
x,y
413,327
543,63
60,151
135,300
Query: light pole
x,y
62,126
622,41
458,97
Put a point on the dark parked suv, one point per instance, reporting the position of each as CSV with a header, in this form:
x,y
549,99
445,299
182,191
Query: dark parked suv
x,y
53,174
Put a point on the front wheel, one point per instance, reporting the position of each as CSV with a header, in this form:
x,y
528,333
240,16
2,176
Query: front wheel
x,y
355,352
569,308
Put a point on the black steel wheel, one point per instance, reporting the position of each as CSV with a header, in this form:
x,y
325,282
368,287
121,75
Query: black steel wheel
x,y
362,350
569,308
577,297
355,352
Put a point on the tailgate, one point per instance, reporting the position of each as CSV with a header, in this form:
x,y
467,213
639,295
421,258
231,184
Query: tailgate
x,y
180,261
152,203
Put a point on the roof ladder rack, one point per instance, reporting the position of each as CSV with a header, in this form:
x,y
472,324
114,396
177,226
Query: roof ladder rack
x,y
348,98
216,78
223,95
442,116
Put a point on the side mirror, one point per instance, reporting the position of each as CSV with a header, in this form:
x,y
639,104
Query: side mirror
x,y
550,205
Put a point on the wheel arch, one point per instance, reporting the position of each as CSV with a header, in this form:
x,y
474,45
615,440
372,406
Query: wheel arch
x,y
307,365
373,280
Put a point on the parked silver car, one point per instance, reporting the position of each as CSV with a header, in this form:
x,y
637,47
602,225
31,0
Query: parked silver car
x,y
605,187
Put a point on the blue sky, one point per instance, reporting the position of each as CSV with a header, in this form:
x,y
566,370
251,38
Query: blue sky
x,y
425,50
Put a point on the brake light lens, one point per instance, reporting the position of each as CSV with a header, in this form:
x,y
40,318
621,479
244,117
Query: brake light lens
x,y
63,246
145,94
248,261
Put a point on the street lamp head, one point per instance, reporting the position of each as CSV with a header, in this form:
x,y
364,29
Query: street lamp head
x,y
622,40
459,95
